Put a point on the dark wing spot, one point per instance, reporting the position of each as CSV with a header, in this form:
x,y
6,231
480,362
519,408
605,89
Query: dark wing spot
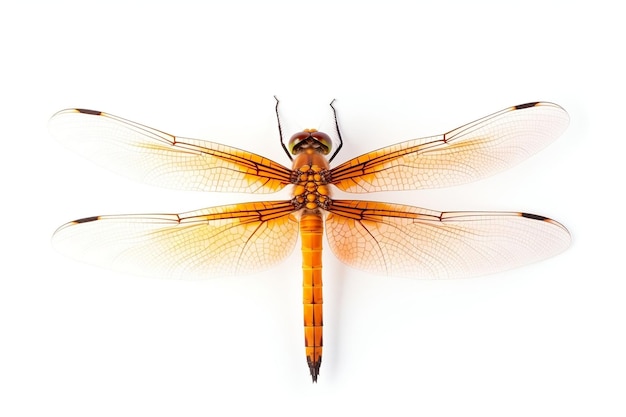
x,y
87,219
534,216
525,106
94,112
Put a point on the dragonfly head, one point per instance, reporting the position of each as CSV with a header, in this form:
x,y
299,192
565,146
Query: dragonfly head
x,y
310,138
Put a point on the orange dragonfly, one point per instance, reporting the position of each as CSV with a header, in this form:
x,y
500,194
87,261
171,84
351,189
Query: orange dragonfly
x,y
381,238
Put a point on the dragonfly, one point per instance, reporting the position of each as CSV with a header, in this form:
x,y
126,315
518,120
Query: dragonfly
x,y
377,237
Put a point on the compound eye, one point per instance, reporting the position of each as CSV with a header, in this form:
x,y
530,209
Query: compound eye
x,y
326,144
295,140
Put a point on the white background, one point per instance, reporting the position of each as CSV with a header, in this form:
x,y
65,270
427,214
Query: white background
x,y
543,340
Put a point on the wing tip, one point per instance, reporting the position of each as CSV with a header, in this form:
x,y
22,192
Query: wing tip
x,y
74,223
540,218
540,104
76,110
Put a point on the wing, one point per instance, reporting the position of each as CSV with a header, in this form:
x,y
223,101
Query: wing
x,y
218,241
465,154
393,239
158,158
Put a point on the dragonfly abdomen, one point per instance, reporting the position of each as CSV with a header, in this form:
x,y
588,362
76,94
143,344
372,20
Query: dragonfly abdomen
x,y
311,231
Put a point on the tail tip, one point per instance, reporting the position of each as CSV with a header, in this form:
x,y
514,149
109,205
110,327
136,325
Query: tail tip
x,y
314,368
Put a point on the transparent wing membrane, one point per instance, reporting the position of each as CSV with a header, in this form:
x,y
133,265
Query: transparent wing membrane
x,y
399,240
219,241
470,152
158,158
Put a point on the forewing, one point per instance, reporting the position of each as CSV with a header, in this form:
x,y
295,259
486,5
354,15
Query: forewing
x,y
158,158
470,152
219,241
399,240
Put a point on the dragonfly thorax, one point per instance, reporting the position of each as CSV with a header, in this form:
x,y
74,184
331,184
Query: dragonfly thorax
x,y
311,180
